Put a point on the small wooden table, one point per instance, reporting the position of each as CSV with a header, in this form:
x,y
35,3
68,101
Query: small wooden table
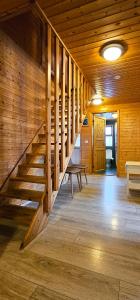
x,y
74,171
82,168
133,175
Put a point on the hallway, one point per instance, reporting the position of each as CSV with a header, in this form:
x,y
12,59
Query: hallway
x,y
89,251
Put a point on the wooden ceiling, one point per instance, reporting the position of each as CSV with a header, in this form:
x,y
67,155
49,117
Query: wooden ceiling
x,y
84,26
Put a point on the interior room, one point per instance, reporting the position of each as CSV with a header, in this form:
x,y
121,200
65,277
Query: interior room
x,y
70,150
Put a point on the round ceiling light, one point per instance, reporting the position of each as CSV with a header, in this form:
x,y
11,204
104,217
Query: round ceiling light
x,y
112,51
97,100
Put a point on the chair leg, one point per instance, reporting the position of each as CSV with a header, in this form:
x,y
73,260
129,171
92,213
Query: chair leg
x,y
86,177
71,184
78,179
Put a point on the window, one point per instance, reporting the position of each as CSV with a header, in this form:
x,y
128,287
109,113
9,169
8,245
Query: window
x,y
109,136
108,130
109,142
108,153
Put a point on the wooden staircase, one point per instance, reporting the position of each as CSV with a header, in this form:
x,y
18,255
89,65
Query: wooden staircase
x,y
27,197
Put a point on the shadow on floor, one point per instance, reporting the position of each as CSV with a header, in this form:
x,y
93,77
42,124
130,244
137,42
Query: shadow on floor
x,y
10,234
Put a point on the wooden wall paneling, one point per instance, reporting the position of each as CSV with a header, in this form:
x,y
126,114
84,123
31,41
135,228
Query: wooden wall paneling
x,y
78,101
48,120
13,9
69,107
56,117
22,103
73,101
63,75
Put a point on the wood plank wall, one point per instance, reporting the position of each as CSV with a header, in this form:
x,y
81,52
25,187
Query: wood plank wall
x,y
22,105
128,132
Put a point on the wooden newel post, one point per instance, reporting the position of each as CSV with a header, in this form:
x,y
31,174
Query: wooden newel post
x,y
56,117
69,108
63,110
78,101
47,205
81,98
73,101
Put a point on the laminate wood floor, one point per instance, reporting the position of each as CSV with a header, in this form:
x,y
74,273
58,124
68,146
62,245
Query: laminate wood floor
x,y
90,249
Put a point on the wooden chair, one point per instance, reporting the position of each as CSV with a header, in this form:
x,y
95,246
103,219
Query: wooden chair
x,y
74,171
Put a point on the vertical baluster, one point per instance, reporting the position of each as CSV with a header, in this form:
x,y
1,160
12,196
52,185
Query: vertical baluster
x,y
69,108
87,94
78,100
56,117
81,98
84,96
73,102
63,110
47,204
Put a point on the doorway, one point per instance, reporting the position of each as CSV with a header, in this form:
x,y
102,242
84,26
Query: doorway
x,y
105,143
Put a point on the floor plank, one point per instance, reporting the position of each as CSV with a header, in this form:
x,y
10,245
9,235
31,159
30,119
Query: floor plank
x,y
129,291
13,287
46,294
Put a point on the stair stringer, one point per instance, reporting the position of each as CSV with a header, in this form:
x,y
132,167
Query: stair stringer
x,y
38,223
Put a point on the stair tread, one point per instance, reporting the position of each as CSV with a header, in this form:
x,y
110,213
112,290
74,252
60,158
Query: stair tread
x,y
41,153
24,194
32,165
21,215
39,144
43,135
36,154
30,178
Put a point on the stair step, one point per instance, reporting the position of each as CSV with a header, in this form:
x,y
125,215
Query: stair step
x,y
38,144
32,165
31,155
30,178
23,194
43,135
52,125
21,215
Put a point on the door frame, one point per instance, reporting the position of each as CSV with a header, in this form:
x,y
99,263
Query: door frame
x,y
118,135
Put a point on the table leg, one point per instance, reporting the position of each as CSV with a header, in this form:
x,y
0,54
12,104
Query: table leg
x,y
86,177
71,184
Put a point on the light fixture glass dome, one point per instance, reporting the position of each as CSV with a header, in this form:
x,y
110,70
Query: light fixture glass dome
x,y
97,100
112,51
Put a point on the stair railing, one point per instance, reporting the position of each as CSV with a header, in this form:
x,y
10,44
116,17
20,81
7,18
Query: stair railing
x,y
75,91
